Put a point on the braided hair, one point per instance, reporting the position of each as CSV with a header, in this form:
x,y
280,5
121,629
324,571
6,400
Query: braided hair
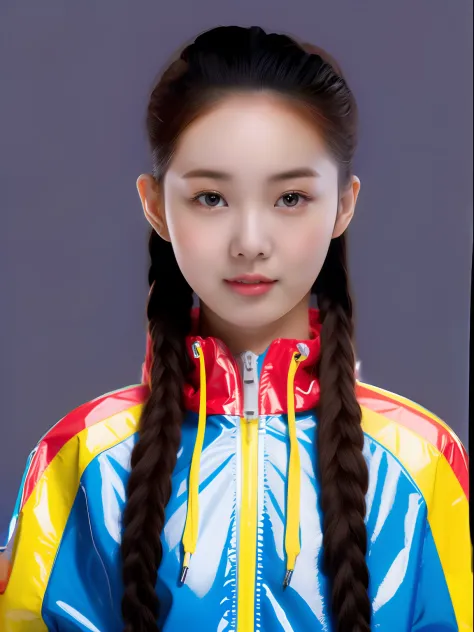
x,y
154,455
343,471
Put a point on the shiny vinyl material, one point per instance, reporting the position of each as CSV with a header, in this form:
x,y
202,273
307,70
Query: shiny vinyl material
x,y
66,528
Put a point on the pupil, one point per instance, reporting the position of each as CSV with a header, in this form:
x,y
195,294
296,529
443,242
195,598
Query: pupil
x,y
291,198
212,199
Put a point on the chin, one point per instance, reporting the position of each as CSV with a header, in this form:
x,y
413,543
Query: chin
x,y
256,315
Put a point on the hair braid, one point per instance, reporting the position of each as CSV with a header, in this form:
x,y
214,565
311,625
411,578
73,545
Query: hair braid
x,y
154,456
343,469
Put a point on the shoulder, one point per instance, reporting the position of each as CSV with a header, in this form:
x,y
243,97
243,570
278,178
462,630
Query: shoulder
x,y
435,459
51,481
426,446
63,453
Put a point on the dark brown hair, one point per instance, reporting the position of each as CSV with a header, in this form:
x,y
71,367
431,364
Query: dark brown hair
x,y
221,61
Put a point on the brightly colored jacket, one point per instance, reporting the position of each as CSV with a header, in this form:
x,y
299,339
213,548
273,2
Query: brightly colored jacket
x,y
251,429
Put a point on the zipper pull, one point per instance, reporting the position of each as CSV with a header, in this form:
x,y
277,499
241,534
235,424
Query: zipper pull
x,y
249,376
250,386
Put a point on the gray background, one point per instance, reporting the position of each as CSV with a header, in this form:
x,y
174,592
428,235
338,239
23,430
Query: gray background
x,y
74,84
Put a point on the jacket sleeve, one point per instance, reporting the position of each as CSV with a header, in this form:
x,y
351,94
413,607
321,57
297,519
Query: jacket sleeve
x,y
444,598
17,614
58,580
36,530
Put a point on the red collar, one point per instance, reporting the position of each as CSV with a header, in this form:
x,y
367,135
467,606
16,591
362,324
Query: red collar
x,y
224,383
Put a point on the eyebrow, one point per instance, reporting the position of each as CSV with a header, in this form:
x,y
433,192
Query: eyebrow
x,y
300,172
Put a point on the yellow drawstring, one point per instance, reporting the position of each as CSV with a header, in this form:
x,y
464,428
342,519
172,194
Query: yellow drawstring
x,y
292,535
191,528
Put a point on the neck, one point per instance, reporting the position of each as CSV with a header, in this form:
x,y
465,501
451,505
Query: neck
x,y
294,325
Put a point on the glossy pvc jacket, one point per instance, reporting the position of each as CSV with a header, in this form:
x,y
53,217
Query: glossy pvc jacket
x,y
65,532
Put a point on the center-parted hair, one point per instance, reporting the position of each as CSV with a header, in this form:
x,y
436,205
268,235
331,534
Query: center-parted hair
x,y
218,63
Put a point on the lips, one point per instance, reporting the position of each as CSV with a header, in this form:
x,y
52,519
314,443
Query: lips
x,y
250,284
250,278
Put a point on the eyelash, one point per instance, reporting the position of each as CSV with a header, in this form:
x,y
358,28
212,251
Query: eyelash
x,y
195,199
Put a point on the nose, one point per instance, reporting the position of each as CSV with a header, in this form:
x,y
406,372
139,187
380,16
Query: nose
x,y
251,236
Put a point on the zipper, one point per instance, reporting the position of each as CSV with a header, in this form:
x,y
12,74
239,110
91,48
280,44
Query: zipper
x,y
248,510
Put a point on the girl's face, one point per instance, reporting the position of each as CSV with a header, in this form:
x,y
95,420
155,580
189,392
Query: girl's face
x,y
251,190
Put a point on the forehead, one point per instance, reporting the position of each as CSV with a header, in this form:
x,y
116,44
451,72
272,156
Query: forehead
x,y
252,134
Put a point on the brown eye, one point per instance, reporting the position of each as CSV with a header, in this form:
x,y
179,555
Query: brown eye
x,y
292,199
211,200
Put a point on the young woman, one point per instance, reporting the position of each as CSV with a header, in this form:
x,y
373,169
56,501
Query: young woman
x,y
251,482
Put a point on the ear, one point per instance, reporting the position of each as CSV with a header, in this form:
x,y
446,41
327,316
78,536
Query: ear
x,y
151,197
347,203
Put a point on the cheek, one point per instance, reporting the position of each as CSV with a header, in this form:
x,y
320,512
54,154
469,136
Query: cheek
x,y
307,250
197,251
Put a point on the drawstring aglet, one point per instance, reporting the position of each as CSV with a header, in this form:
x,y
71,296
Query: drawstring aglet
x,y
287,580
184,571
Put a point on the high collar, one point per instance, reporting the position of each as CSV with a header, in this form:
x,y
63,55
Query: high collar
x,y
224,381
